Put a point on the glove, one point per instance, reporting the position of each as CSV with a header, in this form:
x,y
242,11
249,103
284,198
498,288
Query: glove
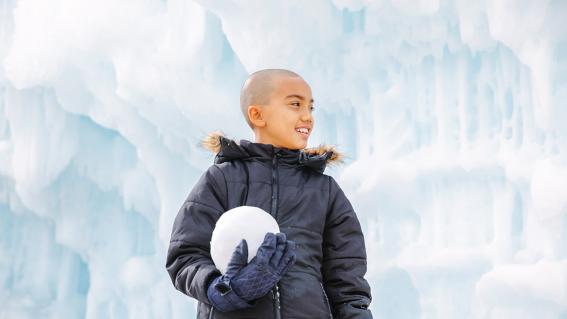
x,y
243,283
272,260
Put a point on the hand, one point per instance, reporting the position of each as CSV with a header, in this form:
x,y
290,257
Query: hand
x,y
253,280
274,257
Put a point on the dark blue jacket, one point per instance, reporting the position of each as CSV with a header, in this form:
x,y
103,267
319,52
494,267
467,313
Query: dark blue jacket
x,y
327,279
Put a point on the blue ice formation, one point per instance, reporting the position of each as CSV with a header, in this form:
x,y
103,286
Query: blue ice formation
x,y
452,112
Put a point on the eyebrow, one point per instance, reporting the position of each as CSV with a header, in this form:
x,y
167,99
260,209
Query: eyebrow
x,y
298,96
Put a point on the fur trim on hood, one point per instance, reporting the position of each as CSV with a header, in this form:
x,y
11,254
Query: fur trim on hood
x,y
212,142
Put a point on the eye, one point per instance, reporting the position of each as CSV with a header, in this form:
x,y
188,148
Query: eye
x,y
312,108
297,104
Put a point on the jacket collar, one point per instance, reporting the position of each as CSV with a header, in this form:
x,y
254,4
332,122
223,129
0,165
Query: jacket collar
x,y
227,149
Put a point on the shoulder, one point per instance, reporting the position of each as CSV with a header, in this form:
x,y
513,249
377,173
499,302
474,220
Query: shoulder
x,y
332,182
337,196
213,173
231,170
212,178
241,171
228,168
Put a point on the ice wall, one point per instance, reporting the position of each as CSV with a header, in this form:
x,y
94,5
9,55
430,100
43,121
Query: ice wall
x,y
452,113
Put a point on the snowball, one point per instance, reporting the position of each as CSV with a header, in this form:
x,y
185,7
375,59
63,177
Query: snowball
x,y
248,222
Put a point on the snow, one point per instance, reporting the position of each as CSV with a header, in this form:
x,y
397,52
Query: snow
x,y
451,112
243,222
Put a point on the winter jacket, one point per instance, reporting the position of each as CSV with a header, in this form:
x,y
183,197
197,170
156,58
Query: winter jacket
x,y
327,279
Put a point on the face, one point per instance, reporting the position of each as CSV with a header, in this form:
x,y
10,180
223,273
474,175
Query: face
x,y
288,118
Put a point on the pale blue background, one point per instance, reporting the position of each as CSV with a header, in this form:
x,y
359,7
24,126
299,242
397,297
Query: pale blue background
x,y
452,114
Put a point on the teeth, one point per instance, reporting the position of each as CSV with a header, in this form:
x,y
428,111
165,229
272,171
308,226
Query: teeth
x,y
302,130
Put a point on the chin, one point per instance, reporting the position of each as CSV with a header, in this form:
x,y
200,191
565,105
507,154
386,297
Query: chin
x,y
297,145
301,146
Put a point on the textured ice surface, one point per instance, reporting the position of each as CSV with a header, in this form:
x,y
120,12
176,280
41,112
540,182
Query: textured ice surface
x,y
452,112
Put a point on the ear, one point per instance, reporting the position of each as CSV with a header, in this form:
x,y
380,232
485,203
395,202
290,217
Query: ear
x,y
255,115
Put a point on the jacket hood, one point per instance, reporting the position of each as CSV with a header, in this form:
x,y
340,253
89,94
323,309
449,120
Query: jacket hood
x,y
227,149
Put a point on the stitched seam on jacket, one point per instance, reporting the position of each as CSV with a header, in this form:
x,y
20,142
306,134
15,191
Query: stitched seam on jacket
x,y
269,183
335,258
225,185
303,228
328,200
346,302
327,301
342,214
329,206
208,206
187,242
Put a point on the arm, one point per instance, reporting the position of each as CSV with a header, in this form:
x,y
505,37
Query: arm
x,y
189,262
344,259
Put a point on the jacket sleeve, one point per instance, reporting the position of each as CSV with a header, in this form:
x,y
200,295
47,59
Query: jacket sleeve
x,y
189,262
344,259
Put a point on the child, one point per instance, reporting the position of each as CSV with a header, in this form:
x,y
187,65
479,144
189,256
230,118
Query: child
x,y
315,267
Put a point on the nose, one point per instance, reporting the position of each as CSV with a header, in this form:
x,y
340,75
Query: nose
x,y
307,116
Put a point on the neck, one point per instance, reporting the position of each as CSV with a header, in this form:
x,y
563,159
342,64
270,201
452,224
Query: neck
x,y
262,137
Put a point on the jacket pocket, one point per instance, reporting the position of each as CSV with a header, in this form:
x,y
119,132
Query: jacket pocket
x,y
326,300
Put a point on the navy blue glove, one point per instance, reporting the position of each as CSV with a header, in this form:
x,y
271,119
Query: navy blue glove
x,y
220,293
243,283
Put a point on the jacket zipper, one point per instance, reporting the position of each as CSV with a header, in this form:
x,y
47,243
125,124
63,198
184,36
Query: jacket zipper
x,y
327,301
275,290
275,185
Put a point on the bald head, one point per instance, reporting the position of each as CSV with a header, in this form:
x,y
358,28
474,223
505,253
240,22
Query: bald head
x,y
259,87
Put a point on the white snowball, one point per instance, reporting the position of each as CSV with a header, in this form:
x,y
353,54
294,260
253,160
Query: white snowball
x,y
248,222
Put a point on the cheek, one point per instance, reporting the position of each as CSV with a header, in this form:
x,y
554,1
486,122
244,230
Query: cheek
x,y
282,126
286,120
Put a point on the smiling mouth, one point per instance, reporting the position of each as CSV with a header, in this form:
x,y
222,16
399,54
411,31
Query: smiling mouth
x,y
303,131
